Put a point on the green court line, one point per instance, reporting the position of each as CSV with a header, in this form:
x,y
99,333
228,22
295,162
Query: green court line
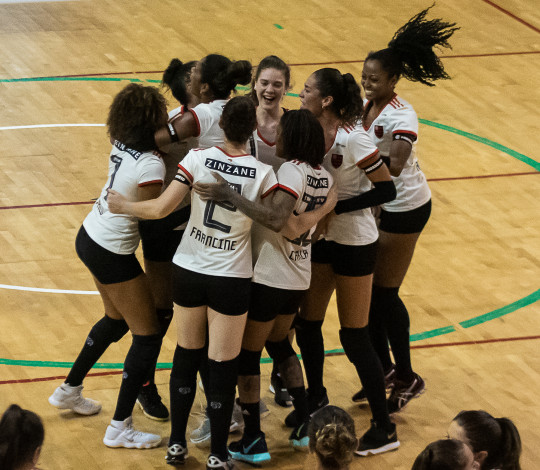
x,y
524,302
278,26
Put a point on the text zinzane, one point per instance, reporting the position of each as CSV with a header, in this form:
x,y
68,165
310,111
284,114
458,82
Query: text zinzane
x,y
228,169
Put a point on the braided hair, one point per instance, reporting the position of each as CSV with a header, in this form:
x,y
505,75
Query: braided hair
x,y
410,52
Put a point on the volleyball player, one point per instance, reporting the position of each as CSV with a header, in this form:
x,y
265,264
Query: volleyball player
x,y
106,244
393,125
344,260
211,276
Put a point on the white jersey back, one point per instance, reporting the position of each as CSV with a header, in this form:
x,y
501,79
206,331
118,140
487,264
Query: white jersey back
x,y
207,117
279,261
217,239
399,117
128,170
351,147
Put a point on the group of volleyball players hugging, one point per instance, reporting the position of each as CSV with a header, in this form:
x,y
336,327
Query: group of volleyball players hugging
x,y
250,217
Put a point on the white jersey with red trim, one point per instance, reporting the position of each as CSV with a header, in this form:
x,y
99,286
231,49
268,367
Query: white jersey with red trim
x,y
207,117
399,117
267,152
128,170
351,147
279,261
217,240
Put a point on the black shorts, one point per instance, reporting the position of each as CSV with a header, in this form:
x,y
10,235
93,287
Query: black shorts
x,y
106,266
405,222
346,260
226,295
268,302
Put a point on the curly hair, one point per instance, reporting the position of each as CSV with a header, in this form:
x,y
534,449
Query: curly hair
x,y
347,101
176,77
332,437
135,114
222,75
410,52
270,62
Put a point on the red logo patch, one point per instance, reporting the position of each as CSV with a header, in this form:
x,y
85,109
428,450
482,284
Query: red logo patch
x,y
379,131
337,160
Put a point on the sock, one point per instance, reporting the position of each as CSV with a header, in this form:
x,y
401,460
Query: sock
x,y
222,386
140,358
310,340
102,334
377,326
165,316
300,403
183,387
360,352
252,419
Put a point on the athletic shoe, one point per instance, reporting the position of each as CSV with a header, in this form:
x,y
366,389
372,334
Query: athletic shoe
x,y
237,419
176,454
67,397
122,434
201,435
389,380
281,395
299,438
377,440
250,449
214,462
151,405
263,409
403,393
314,404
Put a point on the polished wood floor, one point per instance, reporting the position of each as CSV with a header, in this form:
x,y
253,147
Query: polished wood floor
x,y
62,62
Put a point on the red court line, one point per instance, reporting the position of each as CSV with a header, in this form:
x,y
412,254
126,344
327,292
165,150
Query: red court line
x,y
420,346
484,176
511,15
48,205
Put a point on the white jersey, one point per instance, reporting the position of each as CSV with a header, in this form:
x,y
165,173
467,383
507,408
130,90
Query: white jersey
x,y
279,261
351,147
128,170
207,117
217,239
267,152
399,117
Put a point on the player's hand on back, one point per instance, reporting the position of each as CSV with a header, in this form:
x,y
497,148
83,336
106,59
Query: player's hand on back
x,y
115,201
220,191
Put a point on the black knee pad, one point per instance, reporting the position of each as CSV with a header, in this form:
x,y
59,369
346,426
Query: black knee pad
x,y
165,316
280,351
249,362
223,377
108,330
307,331
356,343
384,296
186,362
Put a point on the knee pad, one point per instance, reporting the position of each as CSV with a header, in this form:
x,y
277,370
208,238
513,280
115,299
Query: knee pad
x,y
186,362
356,343
280,351
165,316
223,377
249,362
308,332
108,330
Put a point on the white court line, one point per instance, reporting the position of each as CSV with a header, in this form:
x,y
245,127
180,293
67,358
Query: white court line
x,y
50,291
35,126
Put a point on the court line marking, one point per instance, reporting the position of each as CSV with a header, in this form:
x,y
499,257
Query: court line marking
x,y
164,366
511,15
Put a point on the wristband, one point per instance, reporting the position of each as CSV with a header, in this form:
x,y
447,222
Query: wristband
x,y
172,132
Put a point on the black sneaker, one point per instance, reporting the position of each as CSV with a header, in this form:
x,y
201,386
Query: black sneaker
x,y
314,404
250,449
151,405
176,454
389,379
377,440
299,438
281,395
214,462
403,393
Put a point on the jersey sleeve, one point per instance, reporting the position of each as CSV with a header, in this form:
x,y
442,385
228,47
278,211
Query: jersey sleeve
x,y
361,146
269,183
151,170
290,179
405,121
203,118
188,166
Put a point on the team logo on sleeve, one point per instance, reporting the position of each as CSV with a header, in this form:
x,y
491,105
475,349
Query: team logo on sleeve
x,y
379,131
336,160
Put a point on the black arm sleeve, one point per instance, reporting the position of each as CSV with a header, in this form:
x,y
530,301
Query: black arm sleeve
x,y
384,191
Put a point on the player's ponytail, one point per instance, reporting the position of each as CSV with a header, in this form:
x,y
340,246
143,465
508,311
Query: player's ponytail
x,y
176,77
222,75
410,52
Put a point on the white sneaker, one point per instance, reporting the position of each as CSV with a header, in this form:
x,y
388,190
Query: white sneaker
x,y
122,434
201,435
67,397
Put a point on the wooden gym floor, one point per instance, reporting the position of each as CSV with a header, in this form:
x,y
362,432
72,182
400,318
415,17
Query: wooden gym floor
x,y
472,289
